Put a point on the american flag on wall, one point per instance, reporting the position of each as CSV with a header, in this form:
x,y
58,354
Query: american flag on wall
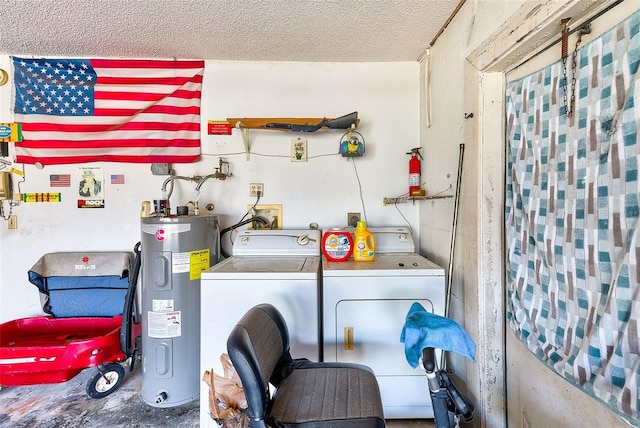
x,y
117,178
60,180
88,110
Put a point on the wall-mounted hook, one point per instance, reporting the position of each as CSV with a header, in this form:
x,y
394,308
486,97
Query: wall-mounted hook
x,y
585,28
468,115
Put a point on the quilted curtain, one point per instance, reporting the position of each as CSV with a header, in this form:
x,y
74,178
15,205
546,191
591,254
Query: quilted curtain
x,y
572,218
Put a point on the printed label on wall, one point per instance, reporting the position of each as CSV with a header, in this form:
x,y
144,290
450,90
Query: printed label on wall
x,y
164,325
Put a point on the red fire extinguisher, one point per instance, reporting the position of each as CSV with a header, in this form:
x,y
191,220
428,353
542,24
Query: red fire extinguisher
x,y
414,172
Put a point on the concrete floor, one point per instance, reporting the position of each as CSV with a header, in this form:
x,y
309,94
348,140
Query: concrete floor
x,y
66,405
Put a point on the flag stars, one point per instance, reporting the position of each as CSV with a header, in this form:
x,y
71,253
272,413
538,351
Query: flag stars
x,y
58,87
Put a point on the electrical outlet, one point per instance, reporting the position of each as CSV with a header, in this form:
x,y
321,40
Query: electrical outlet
x,y
13,221
254,188
353,219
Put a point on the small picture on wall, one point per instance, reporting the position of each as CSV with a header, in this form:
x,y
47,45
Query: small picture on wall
x,y
90,188
91,184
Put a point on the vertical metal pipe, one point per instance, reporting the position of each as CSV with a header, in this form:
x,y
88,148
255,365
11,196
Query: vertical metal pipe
x,y
443,361
453,233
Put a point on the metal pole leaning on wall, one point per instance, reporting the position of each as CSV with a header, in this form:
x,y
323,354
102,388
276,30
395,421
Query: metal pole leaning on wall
x,y
453,243
453,232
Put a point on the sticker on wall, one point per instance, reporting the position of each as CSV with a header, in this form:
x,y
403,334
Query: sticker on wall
x,y
90,188
41,197
117,178
90,203
218,127
60,180
10,132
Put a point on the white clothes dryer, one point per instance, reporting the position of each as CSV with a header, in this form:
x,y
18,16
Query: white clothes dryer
x,y
364,310
281,267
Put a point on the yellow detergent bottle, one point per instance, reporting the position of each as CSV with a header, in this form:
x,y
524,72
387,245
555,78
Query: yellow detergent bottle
x,y
364,246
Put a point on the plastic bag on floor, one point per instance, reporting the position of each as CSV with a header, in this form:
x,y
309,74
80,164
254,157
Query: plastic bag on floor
x,y
227,402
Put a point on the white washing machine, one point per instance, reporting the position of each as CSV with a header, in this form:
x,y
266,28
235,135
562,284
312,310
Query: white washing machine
x,y
281,267
364,309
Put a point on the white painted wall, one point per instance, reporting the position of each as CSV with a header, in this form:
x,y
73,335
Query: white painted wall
x,y
454,95
321,190
535,396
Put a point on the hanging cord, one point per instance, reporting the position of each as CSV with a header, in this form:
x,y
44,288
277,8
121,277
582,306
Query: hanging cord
x,y
395,204
364,210
237,225
259,193
242,222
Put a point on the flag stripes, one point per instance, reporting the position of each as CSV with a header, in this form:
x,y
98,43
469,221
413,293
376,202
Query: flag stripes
x,y
86,110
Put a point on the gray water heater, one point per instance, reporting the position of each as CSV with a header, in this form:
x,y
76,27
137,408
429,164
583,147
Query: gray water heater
x,y
175,250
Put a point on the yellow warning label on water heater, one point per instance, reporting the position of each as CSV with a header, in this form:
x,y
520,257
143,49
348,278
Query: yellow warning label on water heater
x,y
198,263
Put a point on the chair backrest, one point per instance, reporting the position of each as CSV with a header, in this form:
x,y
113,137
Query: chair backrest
x,y
258,342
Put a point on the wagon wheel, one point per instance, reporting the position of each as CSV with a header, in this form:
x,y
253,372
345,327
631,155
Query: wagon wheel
x,y
106,380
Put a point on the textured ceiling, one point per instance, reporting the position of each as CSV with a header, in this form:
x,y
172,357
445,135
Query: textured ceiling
x,y
240,30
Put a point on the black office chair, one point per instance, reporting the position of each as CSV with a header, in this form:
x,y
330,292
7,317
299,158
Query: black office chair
x,y
307,393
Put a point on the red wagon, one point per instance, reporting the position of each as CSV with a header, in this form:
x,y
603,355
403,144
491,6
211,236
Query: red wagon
x,y
90,300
